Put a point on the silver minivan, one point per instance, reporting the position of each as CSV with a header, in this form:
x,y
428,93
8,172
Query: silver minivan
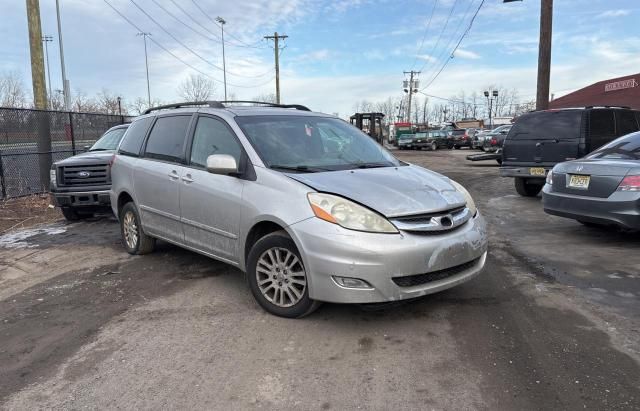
x,y
311,208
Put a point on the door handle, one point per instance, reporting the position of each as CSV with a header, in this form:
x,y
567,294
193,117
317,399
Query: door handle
x,y
187,179
174,175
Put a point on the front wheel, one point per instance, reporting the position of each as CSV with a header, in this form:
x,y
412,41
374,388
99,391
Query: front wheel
x,y
73,214
133,238
527,189
277,277
434,146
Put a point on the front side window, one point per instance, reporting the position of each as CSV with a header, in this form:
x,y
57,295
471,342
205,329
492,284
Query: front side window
x,y
307,144
109,141
166,141
212,136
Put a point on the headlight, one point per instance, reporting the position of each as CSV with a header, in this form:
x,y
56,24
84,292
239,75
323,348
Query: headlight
x,y
471,205
52,176
550,177
348,214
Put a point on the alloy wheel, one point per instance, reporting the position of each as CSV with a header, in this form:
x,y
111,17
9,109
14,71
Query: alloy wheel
x,y
281,277
130,229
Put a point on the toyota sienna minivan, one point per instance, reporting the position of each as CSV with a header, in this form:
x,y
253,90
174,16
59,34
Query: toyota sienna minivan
x,y
311,208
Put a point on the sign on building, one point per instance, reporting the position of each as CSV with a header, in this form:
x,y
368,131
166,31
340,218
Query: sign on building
x,y
620,85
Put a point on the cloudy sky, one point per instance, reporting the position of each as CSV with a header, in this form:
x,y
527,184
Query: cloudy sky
x,y
338,51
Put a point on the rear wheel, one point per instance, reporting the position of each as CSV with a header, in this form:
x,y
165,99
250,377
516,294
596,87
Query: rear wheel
x,y
277,277
434,146
527,189
133,238
457,147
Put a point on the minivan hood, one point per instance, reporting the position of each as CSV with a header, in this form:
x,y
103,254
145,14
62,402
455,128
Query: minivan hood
x,y
391,191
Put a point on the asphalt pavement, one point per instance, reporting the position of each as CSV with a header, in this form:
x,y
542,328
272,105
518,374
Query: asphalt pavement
x,y
552,323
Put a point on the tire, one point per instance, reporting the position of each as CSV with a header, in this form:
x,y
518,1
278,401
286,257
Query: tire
x,y
70,214
527,189
434,146
457,147
134,240
275,276
499,160
590,224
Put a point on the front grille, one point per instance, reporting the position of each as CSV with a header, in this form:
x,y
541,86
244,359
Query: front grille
x,y
433,223
420,279
75,175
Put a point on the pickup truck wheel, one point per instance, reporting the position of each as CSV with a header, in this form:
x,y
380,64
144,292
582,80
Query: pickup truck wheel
x,y
527,189
277,277
133,238
70,214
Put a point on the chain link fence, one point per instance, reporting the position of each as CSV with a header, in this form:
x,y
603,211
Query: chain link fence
x,y
31,140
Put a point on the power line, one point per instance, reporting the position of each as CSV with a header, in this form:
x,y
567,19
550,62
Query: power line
x,y
216,23
457,45
456,33
441,33
177,57
424,36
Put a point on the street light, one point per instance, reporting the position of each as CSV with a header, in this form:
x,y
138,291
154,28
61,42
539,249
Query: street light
x,y
490,97
224,64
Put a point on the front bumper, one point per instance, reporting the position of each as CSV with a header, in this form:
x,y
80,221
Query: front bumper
x,y
523,172
81,198
620,208
329,250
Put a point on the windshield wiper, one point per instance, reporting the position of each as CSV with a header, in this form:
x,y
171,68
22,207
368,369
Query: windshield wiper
x,y
300,168
373,165
99,149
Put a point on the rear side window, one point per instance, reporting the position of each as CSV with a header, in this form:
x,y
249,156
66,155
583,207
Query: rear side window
x,y
626,122
166,141
213,137
625,148
134,136
602,128
547,125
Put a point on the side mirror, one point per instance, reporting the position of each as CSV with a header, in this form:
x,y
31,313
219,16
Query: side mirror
x,y
503,132
86,148
222,164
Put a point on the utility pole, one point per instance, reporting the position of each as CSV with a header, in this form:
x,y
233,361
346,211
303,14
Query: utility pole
x,y
544,54
146,64
65,82
39,91
411,88
224,63
276,49
48,39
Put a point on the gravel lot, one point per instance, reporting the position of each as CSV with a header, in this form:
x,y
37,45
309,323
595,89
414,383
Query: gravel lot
x,y
552,323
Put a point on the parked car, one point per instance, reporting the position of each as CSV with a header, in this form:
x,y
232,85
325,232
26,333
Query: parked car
x,y
405,141
80,184
308,220
494,140
601,189
432,139
460,138
540,140
480,136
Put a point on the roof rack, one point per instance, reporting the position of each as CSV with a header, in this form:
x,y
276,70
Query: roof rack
x,y
219,104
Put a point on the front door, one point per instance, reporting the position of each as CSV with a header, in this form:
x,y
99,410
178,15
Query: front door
x,y
211,203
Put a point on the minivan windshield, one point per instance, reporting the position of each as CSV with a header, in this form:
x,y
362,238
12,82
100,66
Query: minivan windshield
x,y
109,141
309,144
624,148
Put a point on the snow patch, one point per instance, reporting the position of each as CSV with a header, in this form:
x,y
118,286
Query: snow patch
x,y
18,238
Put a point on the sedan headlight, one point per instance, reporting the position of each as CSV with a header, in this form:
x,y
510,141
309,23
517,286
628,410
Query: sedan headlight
x,y
347,214
53,177
471,205
550,177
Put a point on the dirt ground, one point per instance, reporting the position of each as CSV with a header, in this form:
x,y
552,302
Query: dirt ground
x,y
23,212
552,323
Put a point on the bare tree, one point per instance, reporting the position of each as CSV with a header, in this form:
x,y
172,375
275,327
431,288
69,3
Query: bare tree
x,y
139,105
82,103
12,91
108,103
265,98
196,88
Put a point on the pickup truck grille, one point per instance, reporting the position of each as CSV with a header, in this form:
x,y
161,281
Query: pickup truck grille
x,y
84,175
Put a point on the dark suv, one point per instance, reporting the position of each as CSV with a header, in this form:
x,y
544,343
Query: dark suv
x,y
541,139
80,184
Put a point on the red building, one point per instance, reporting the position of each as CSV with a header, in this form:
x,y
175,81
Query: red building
x,y
621,91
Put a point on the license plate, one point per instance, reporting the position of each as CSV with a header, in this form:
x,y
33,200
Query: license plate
x,y
578,181
537,171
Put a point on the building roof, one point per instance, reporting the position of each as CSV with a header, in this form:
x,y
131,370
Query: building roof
x,y
621,91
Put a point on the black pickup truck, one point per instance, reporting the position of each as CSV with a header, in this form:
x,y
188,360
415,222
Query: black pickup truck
x,y
80,184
